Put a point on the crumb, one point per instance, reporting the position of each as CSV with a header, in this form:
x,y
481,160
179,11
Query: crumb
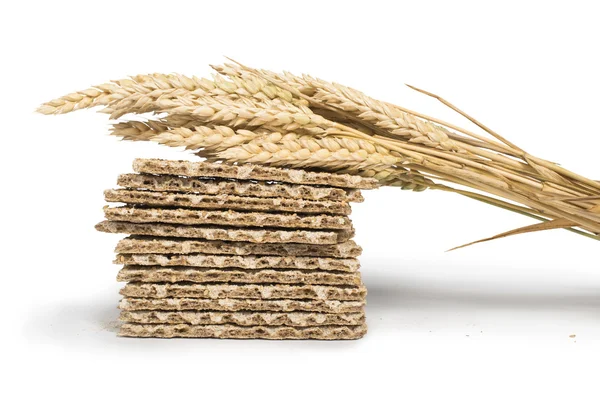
x,y
572,336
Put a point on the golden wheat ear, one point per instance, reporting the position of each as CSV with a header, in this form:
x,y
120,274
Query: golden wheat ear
x,y
246,115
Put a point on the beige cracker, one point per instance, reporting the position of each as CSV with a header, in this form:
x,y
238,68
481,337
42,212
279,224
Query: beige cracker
x,y
225,202
229,234
242,318
233,275
170,183
245,262
137,245
230,218
243,332
282,305
245,291
252,172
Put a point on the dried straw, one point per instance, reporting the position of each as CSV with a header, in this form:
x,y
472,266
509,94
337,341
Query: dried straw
x,y
244,115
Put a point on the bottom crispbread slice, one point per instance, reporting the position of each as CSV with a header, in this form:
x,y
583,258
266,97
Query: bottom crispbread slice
x,y
243,332
245,262
190,304
242,318
140,245
234,275
248,292
232,234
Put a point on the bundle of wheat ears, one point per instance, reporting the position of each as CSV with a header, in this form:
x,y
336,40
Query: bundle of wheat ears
x,y
244,115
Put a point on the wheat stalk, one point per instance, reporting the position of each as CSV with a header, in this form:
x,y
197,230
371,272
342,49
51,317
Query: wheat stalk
x,y
378,116
247,115
280,117
332,154
549,174
347,155
183,106
100,95
329,152
374,114
215,138
141,93
439,135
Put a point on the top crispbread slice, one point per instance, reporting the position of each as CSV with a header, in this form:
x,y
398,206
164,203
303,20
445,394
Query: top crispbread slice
x,y
148,244
225,202
228,218
183,184
252,172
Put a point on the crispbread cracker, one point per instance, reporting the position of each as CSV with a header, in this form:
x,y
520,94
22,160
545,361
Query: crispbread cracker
x,y
242,318
284,305
252,172
229,234
243,332
234,275
225,202
144,244
245,262
247,291
170,183
229,218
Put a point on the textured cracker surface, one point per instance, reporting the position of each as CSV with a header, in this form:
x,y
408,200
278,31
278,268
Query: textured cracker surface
x,y
231,234
242,318
233,275
243,332
247,291
170,183
283,305
138,245
251,172
230,218
245,262
225,202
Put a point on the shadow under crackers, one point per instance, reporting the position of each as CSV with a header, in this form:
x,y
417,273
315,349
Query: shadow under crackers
x,y
399,293
95,318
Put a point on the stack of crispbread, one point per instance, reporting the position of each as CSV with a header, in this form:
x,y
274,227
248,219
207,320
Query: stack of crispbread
x,y
232,251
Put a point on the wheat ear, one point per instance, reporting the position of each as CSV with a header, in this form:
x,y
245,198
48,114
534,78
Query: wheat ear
x,y
329,153
216,138
140,93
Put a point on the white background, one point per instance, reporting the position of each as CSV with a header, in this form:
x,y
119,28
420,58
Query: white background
x,y
491,321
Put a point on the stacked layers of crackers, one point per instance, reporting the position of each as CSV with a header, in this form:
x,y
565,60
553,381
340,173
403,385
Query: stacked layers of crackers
x,y
237,251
